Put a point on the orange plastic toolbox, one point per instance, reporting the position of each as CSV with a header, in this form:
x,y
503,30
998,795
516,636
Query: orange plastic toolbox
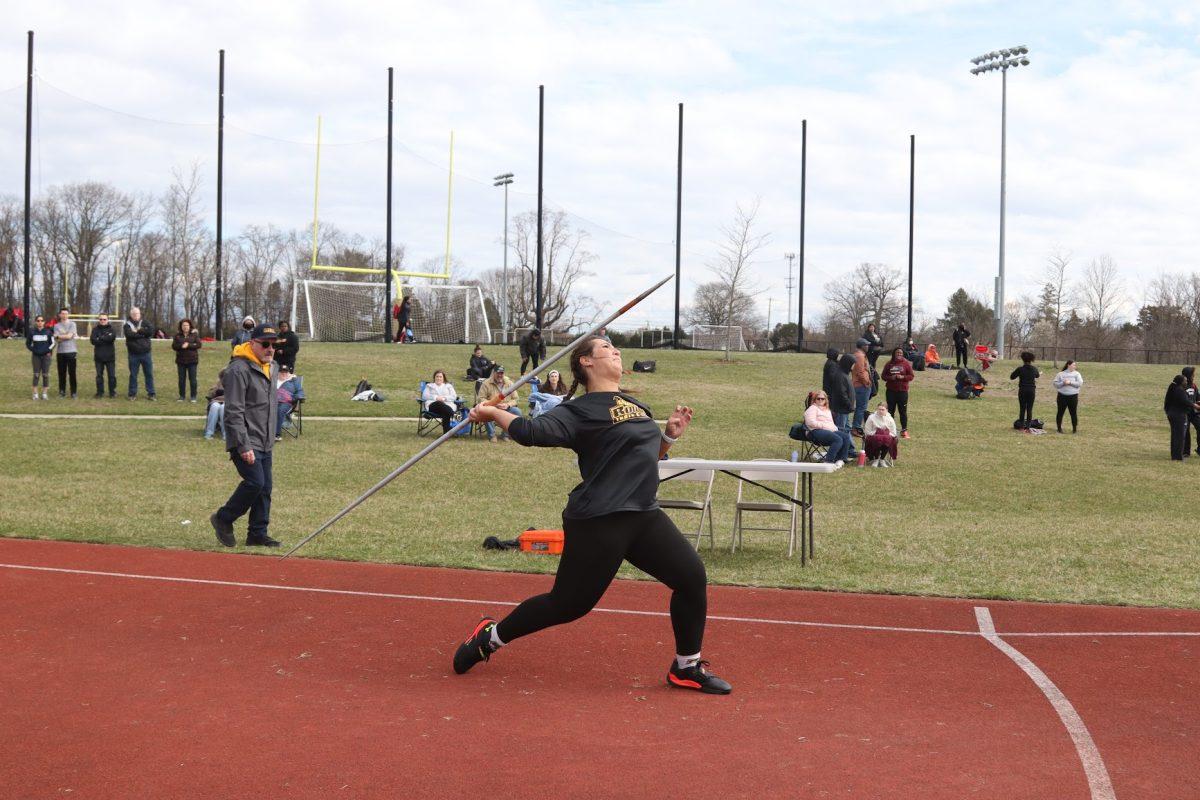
x,y
544,542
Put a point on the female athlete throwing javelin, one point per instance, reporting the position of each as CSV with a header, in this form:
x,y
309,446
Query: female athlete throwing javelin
x,y
611,516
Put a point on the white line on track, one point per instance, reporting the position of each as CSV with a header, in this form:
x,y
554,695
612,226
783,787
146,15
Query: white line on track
x,y
626,611
1093,765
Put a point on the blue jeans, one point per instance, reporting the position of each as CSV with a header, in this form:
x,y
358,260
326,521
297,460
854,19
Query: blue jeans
x,y
146,362
216,416
282,421
862,396
541,403
837,442
253,494
491,426
843,424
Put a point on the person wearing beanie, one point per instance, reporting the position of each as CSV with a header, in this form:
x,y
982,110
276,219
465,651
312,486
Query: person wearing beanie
x,y
1026,376
1178,408
243,334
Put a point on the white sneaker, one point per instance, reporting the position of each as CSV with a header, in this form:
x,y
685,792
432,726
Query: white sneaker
x,y
887,464
839,463
35,394
45,395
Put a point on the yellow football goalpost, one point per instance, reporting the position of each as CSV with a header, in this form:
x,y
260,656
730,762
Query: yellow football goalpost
x,y
396,274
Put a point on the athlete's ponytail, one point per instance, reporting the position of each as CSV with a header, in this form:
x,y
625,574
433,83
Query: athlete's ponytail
x,y
578,374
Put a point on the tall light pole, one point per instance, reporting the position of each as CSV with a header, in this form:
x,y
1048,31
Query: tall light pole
x,y
989,62
791,259
504,180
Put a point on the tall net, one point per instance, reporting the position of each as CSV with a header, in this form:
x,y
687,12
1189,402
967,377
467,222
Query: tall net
x,y
353,311
715,337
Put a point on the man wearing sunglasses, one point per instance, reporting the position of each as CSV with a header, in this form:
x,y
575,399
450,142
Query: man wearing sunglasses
x,y
250,420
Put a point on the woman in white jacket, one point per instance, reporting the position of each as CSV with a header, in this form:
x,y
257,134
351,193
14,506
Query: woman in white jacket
x,y
879,437
1068,383
439,397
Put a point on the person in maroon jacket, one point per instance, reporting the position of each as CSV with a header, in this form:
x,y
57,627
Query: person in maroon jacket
x,y
897,374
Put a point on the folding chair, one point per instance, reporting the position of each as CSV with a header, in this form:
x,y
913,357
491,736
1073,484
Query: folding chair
x,y
705,476
764,506
297,413
426,423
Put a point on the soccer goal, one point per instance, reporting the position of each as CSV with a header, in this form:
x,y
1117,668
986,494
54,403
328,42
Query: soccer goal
x,y
714,337
353,311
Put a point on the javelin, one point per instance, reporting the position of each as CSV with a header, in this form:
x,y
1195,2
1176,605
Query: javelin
x,y
454,431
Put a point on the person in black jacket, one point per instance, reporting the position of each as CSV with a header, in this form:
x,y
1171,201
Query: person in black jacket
x,y
481,365
186,344
829,375
1178,407
1193,393
874,344
104,353
40,342
287,346
962,339
532,349
1026,376
138,336
612,516
841,399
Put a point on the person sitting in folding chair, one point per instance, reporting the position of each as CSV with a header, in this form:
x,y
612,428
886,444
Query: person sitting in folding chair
x,y
440,399
879,438
290,393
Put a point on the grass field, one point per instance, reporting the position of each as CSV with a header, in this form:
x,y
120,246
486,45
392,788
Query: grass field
x,y
972,508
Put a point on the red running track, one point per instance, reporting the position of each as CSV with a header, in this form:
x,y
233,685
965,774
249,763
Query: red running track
x,y
122,686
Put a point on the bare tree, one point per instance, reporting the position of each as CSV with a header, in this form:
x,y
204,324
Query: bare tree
x,y
731,265
1056,296
12,277
1100,297
710,306
565,257
870,293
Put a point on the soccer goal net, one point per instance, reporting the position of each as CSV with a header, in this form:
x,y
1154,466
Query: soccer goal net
x,y
352,311
714,337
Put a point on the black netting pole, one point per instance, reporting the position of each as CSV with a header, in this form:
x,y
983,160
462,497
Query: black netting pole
x,y
218,329
28,171
387,292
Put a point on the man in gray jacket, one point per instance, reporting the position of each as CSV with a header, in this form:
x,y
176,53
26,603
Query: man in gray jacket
x,y
251,408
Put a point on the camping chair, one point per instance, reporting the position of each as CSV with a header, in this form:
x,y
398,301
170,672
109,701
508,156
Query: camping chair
x,y
428,424
705,476
983,354
297,413
764,506
810,450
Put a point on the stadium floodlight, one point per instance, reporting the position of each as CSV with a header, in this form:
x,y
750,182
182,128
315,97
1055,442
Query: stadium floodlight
x,y
504,180
1003,60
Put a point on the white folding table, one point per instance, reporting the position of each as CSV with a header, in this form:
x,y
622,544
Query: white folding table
x,y
806,469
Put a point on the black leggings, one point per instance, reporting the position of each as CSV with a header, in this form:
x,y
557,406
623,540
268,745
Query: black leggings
x,y
526,359
897,399
960,355
1068,402
442,412
593,549
187,378
1025,403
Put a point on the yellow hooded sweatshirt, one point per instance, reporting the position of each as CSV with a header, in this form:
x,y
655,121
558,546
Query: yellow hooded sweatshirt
x,y
244,350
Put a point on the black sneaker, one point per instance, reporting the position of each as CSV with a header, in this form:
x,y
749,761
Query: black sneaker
x,y
696,677
262,540
477,647
224,530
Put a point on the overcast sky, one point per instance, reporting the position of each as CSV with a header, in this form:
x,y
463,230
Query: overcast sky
x,y
1103,127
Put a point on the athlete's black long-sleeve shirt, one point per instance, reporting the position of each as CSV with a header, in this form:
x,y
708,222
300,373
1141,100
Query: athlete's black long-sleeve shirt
x,y
617,441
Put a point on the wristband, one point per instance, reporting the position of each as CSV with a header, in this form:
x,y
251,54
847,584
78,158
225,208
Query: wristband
x,y
668,439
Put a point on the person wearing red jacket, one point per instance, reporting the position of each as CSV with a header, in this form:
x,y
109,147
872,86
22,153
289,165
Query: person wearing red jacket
x,y
897,374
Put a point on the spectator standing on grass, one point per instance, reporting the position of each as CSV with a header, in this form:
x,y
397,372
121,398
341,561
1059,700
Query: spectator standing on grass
x,y
1026,376
897,375
874,345
481,365
1068,383
532,349
186,345
138,336
104,353
841,402
962,340
492,388
1193,393
829,374
288,346
824,431
242,334
439,398
401,311
1178,408
879,437
860,379
40,341
216,407
65,333
251,406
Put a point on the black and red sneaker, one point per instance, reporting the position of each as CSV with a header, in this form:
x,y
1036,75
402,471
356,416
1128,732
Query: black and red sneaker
x,y
698,678
477,647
